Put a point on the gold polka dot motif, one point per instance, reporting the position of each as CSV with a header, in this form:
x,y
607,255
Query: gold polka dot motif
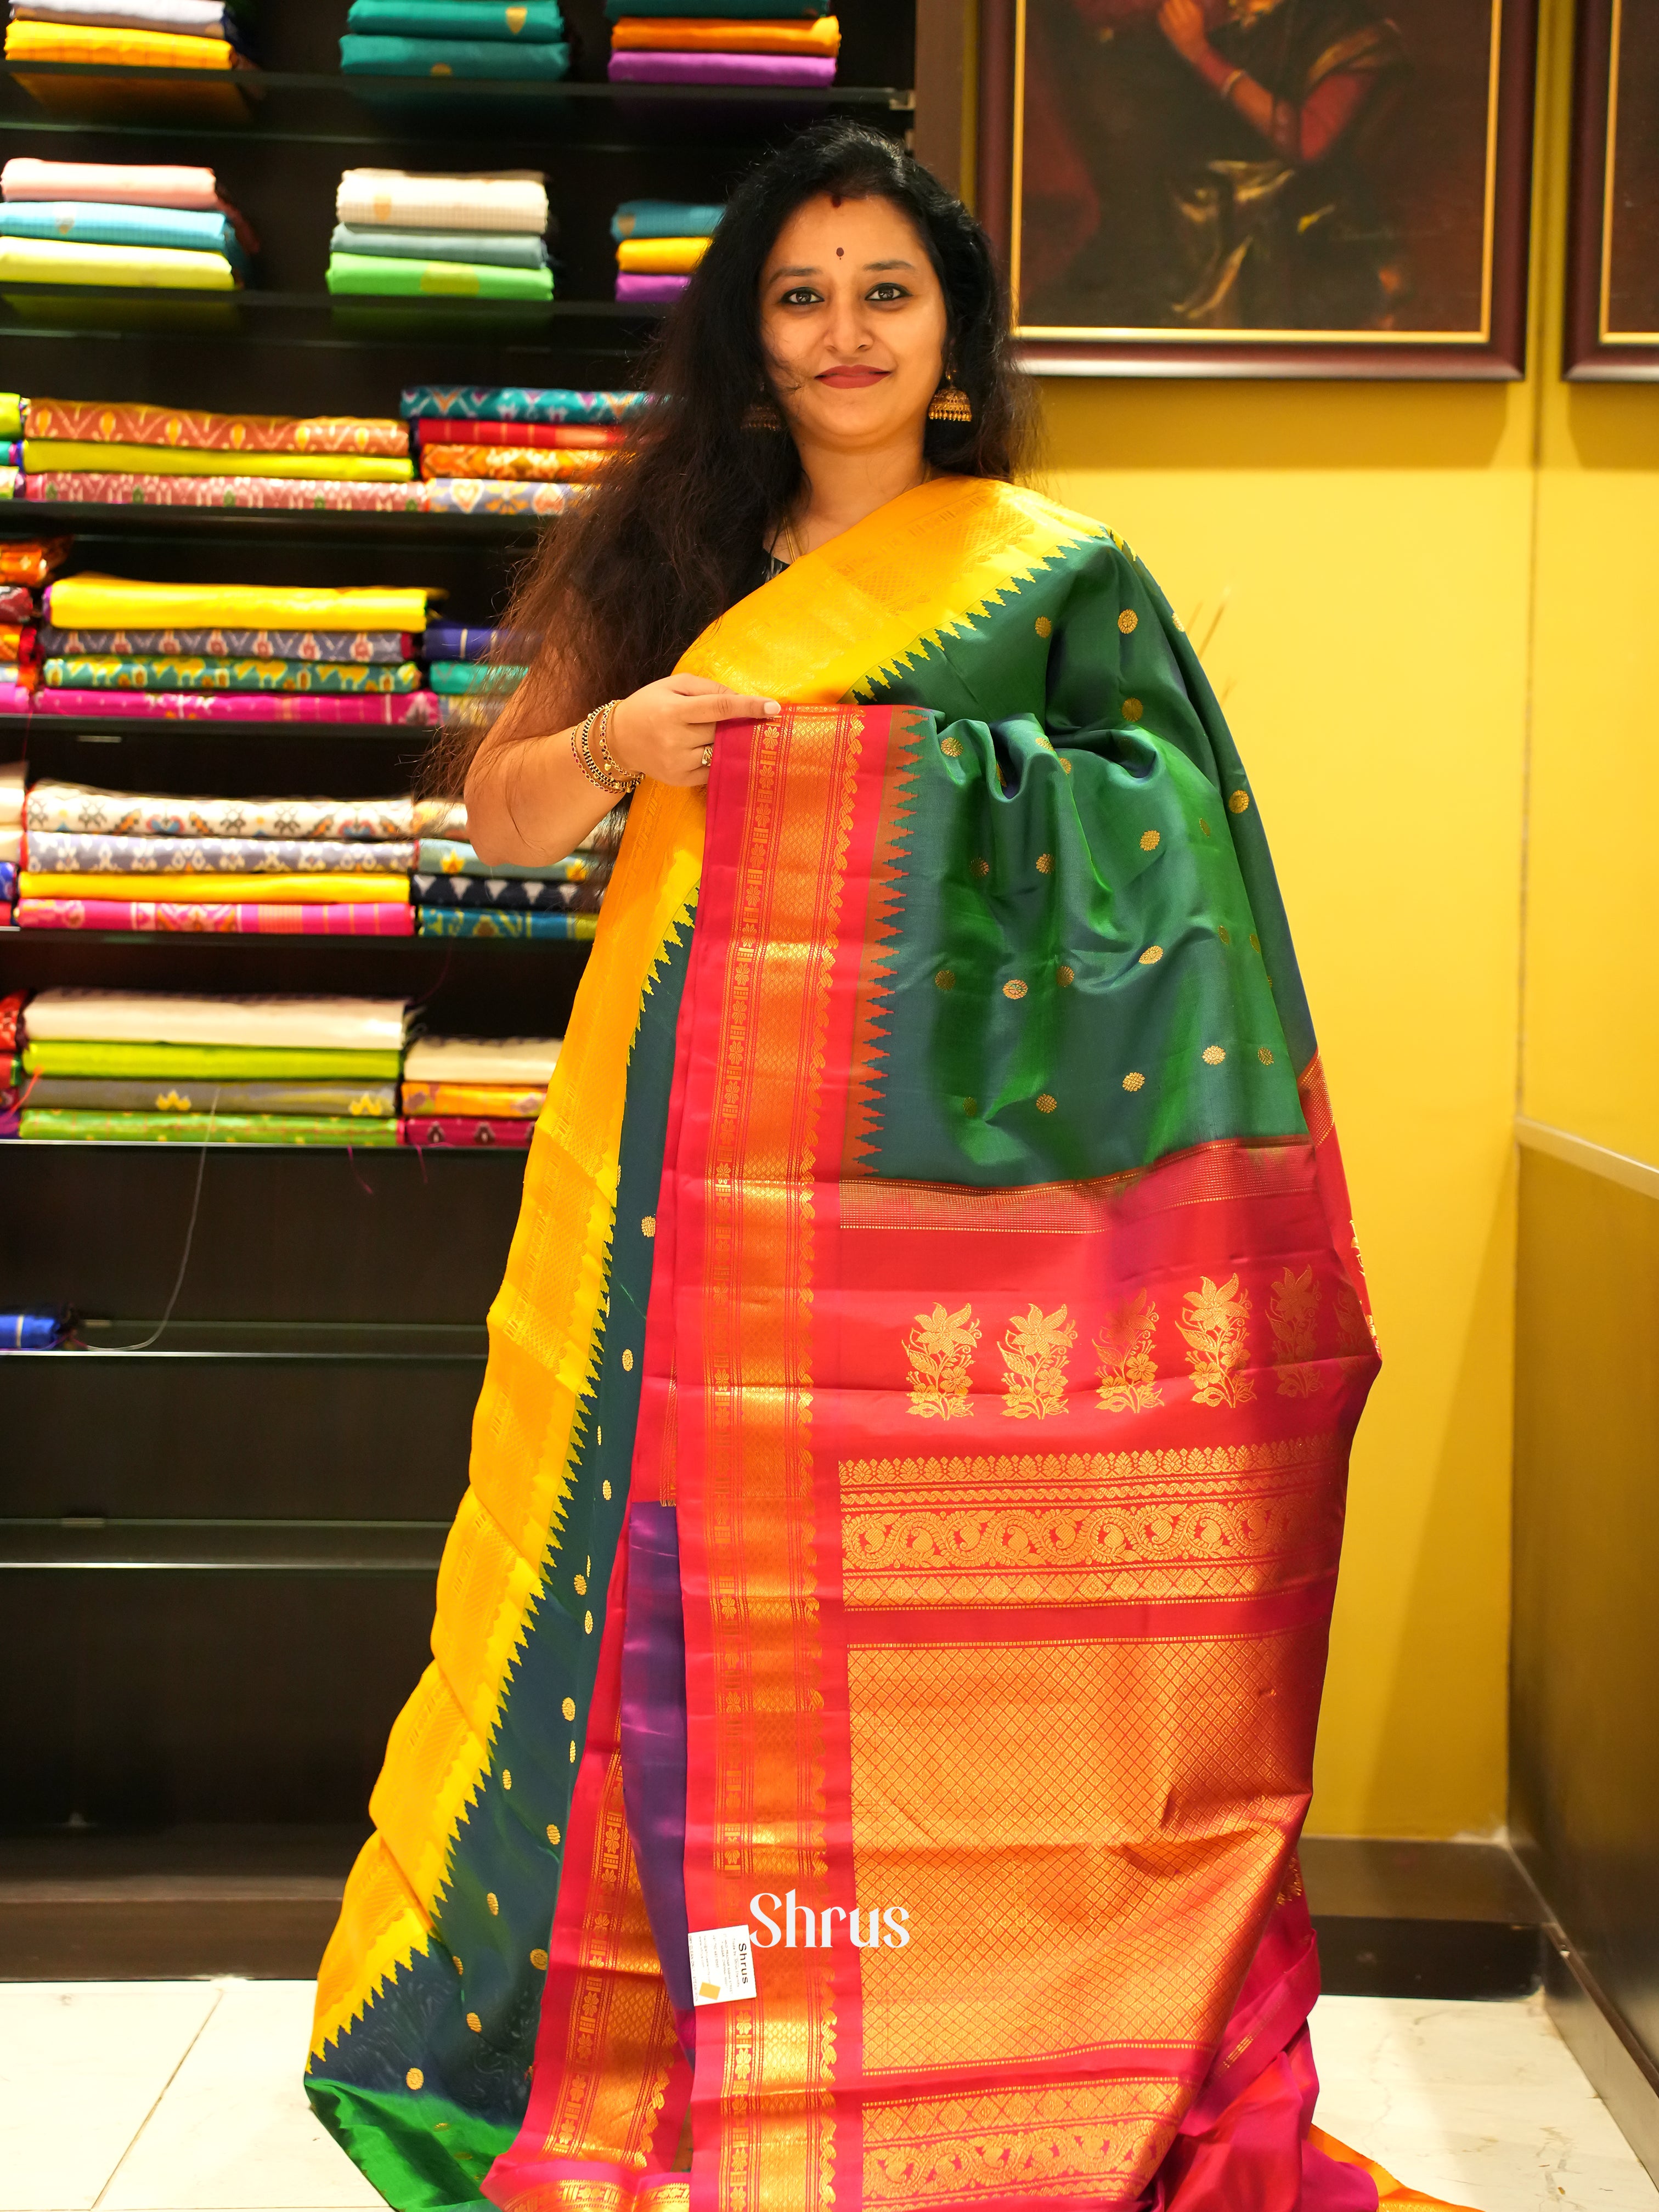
x,y
552,1833
1128,621
1224,932
1255,942
494,1903
1134,1079
580,1584
1264,1056
1047,1102
1203,825
506,1777
970,1106
1151,956
946,980
538,1959
569,1709
648,1225
1065,975
458,1967
1045,862
573,1751
475,2023
1066,765
1133,710
587,1624
415,2078
1151,839
1044,627
950,747
981,867
1239,803
605,1487
628,1361
1214,1054
1013,988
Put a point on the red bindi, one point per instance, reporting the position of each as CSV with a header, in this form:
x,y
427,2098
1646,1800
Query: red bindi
x,y
835,199
840,253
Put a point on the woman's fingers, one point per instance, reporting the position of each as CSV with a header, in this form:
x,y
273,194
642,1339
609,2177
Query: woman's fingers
x,y
728,706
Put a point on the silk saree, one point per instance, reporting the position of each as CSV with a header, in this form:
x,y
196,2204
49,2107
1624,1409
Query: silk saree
x,y
908,1484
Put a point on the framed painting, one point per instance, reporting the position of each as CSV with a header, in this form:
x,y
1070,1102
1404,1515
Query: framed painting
x,y
1612,224
1324,188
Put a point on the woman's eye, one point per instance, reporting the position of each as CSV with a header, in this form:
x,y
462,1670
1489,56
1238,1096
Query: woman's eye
x,y
798,295
883,292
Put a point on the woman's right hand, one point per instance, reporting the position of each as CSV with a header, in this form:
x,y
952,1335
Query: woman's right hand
x,y
665,730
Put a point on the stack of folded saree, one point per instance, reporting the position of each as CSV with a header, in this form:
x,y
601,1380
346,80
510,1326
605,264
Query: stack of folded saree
x,y
11,1063
456,38
152,227
11,450
470,664
658,244
250,653
206,35
11,847
296,867
24,564
476,1090
456,894
121,1066
753,42
509,450
125,454
403,236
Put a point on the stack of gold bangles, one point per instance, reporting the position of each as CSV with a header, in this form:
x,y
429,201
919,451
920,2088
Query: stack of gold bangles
x,y
603,769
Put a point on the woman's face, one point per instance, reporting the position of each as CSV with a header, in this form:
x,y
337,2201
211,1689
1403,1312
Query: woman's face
x,y
853,322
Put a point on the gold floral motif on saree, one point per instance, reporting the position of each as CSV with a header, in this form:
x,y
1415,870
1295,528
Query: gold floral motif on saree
x,y
1354,1332
1033,1353
1088,1529
1213,1321
1128,1370
1071,2141
940,1349
1293,1311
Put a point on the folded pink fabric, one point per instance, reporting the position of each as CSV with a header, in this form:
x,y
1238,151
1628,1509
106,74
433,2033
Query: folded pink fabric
x,y
161,184
121,487
464,1129
650,291
684,68
410,710
370,918
15,698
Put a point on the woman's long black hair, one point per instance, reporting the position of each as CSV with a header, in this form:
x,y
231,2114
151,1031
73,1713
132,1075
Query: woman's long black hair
x,y
672,533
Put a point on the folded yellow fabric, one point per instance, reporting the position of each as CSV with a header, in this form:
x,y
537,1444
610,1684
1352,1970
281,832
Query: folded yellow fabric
x,y
266,890
40,454
660,256
720,35
95,602
158,267
77,42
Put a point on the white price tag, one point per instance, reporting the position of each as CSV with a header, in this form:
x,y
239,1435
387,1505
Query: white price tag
x,y
722,1964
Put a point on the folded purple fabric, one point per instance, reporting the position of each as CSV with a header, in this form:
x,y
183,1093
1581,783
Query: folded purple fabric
x,y
650,291
676,68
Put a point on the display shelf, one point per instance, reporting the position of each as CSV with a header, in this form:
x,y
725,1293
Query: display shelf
x,y
91,1540
296,527
789,100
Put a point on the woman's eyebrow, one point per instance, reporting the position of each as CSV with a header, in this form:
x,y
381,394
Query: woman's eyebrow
x,y
805,269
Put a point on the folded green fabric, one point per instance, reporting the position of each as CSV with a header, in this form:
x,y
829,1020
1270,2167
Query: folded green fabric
x,y
458,678
507,250
385,276
52,1122
531,24
453,58
252,1062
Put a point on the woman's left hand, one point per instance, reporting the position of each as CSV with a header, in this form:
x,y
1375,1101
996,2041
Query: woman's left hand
x,y
1182,24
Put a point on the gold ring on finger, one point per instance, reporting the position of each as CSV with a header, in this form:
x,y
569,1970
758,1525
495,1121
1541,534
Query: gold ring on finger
x,y
707,756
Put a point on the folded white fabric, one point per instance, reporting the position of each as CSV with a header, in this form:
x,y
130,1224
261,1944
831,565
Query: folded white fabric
x,y
11,794
507,200
11,844
173,1017
471,1060
204,19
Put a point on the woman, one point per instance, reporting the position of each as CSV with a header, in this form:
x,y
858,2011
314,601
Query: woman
x,y
912,1797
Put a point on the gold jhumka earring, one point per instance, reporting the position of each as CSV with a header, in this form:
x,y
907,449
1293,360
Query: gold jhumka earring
x,y
761,414
950,404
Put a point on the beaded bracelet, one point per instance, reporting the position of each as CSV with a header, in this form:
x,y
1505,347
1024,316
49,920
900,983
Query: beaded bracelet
x,y
581,746
619,776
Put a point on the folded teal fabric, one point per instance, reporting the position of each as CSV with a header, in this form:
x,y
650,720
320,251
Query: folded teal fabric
x,y
531,24
386,276
99,222
455,678
740,11
452,57
664,218
506,250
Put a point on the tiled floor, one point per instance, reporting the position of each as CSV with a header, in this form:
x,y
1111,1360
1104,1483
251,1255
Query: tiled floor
x,y
185,2097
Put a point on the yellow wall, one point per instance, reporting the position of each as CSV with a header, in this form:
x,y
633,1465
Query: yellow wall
x,y
1370,552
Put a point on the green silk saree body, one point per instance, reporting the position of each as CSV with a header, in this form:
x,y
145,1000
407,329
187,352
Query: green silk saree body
x,y
908,1477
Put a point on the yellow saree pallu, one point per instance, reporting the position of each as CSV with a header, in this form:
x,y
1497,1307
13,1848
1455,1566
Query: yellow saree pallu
x,y
885,1635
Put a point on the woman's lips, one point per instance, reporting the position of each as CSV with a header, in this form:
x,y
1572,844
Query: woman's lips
x,y
852,380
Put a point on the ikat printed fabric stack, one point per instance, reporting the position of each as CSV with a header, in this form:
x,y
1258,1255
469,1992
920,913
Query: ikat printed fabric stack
x,y
125,453
151,227
764,44
456,38
513,450
403,236
161,1067
457,894
476,1090
658,244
